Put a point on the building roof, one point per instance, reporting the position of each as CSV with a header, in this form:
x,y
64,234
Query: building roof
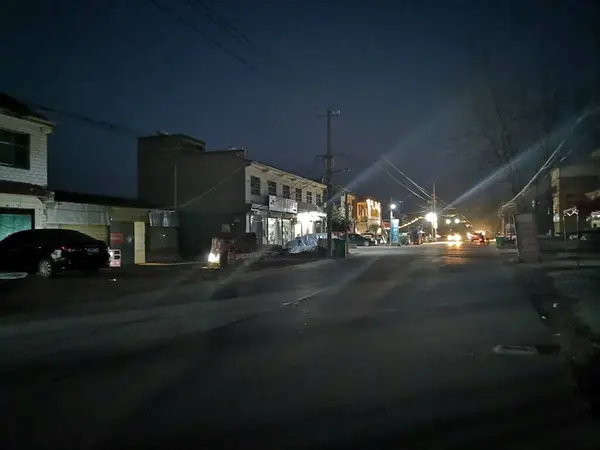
x,y
15,187
12,107
295,174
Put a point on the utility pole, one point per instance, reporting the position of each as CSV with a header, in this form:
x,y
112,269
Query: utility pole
x,y
175,187
433,224
328,180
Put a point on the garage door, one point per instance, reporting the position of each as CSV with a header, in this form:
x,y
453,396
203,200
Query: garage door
x,y
96,231
12,221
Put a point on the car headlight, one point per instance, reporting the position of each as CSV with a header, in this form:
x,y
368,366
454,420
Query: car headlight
x,y
213,257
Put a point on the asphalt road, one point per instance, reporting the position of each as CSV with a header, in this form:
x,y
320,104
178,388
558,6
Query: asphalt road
x,y
391,348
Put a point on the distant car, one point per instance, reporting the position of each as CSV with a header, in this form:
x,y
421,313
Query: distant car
x,y
360,240
375,240
50,251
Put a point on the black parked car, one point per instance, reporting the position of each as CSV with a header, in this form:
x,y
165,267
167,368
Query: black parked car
x,y
50,251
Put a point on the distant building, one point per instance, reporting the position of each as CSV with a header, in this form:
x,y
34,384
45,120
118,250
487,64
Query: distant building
x,y
570,185
224,190
368,215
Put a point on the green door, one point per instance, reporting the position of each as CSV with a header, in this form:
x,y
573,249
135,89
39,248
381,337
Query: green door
x,y
12,221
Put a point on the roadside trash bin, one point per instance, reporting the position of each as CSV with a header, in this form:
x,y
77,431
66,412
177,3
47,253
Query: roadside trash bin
x,y
339,248
500,241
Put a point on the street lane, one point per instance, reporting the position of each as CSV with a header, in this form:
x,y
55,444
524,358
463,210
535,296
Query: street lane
x,y
396,352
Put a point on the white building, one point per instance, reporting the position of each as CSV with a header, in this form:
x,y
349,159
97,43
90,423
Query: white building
x,y
282,205
23,166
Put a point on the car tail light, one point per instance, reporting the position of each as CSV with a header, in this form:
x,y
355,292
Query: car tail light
x,y
66,248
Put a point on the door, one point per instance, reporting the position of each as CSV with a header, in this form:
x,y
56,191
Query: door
x,y
139,242
123,238
13,220
99,232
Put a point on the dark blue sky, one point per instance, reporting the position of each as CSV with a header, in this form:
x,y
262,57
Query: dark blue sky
x,y
403,74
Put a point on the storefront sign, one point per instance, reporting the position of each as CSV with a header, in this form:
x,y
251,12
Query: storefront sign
x,y
395,230
280,204
116,238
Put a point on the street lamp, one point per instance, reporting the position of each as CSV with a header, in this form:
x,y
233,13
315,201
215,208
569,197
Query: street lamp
x,y
432,218
457,220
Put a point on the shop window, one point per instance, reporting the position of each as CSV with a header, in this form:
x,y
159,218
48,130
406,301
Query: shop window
x,y
14,149
254,185
308,197
286,191
298,195
272,186
319,198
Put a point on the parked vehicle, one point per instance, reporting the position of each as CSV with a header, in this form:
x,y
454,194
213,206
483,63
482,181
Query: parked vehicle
x,y
50,251
375,240
360,240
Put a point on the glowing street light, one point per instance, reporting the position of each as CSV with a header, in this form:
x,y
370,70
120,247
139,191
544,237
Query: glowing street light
x,y
448,221
431,217
457,220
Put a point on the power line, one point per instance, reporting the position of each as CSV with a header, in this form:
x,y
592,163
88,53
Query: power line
x,y
222,23
406,176
87,120
190,25
403,185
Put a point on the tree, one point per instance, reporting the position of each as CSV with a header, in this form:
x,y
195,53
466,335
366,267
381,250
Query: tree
x,y
339,222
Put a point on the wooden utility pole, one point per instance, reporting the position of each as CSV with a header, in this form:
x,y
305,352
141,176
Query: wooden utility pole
x,y
328,180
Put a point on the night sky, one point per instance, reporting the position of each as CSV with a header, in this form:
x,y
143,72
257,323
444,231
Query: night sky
x,y
406,77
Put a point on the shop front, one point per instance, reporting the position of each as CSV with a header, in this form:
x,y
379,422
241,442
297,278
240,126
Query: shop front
x,y
273,223
310,222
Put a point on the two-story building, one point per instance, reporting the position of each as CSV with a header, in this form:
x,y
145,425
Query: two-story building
x,y
225,191
23,166
368,215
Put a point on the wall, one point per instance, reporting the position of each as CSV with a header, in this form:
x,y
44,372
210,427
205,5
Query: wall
x,y
164,162
38,164
26,202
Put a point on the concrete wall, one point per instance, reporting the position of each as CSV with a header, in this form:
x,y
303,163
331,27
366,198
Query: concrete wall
x,y
204,181
38,152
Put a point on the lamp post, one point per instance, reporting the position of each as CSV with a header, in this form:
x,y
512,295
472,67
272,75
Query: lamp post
x,y
392,208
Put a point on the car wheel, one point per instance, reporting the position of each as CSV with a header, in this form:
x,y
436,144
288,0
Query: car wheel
x,y
45,268
366,244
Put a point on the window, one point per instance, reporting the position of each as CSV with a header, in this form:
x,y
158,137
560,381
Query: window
x,y
254,185
308,197
286,191
272,187
14,149
319,198
298,195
